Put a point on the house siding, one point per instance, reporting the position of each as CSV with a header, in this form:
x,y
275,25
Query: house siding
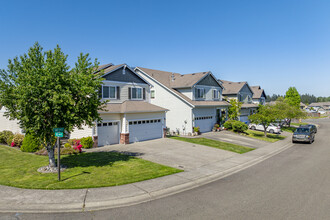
x,y
118,75
85,131
208,93
10,125
208,81
187,92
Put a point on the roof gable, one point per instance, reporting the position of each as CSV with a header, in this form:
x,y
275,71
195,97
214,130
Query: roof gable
x,y
233,88
208,81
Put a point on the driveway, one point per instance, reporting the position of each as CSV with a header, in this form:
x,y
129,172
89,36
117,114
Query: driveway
x,y
171,152
230,137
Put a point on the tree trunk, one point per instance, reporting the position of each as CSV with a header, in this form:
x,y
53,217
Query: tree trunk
x,y
289,123
265,130
51,156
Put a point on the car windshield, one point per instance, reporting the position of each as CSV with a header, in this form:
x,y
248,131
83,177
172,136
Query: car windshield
x,y
302,130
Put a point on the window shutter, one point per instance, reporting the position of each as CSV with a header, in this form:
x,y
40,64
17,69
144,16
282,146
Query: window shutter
x,y
204,93
144,93
129,92
118,92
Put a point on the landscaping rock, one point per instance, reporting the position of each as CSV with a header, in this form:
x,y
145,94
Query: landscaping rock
x,y
48,169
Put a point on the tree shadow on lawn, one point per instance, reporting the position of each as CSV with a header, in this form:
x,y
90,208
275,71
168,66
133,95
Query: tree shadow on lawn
x,y
271,136
97,159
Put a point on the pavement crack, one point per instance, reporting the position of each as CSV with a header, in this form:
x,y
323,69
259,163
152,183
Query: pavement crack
x,y
142,190
84,202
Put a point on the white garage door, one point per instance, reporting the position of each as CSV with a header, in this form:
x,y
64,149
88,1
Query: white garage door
x,y
244,118
108,133
205,123
141,130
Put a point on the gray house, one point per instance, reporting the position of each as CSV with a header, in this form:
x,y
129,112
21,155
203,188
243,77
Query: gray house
x,y
242,92
259,95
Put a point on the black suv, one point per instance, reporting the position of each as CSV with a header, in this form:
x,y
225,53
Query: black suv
x,y
313,127
303,134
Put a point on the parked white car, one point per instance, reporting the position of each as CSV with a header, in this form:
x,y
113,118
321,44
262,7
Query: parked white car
x,y
271,128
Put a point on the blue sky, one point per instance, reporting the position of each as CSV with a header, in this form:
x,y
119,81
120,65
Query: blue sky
x,y
275,44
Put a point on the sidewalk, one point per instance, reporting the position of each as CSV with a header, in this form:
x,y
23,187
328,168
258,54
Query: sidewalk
x,y
26,200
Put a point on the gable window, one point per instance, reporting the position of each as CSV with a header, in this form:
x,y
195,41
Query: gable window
x,y
152,94
215,94
136,93
200,93
109,92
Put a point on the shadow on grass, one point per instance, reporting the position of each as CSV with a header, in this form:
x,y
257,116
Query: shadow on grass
x,y
79,174
97,159
271,136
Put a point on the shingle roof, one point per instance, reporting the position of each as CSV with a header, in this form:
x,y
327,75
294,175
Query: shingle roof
x,y
249,105
231,87
132,107
319,104
257,92
181,81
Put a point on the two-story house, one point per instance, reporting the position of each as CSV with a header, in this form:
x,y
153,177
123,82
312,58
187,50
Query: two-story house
x,y
259,95
242,92
193,100
129,115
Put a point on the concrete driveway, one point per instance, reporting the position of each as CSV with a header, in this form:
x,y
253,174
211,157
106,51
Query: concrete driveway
x,y
171,152
230,137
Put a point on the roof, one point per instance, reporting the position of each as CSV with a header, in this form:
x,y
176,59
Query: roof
x,y
302,104
231,88
132,107
257,92
315,104
181,81
249,105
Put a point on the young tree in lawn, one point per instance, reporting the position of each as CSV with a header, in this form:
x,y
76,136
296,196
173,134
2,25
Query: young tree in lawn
x,y
234,109
289,112
292,97
266,115
40,91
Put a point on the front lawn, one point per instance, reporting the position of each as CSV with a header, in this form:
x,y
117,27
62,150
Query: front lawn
x,y
298,124
289,129
86,170
216,144
260,135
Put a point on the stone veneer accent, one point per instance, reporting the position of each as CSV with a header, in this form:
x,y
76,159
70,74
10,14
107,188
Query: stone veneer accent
x,y
124,138
96,141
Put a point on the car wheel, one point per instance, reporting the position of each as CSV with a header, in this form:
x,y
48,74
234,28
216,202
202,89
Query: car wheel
x,y
271,131
311,141
253,128
293,142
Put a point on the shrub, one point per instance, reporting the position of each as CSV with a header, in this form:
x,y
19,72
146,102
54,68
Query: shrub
x,y
87,142
6,137
229,124
67,145
239,126
18,140
31,144
196,129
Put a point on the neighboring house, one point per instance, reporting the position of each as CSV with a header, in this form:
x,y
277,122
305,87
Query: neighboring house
x,y
193,100
129,117
302,106
259,95
6,124
325,106
242,92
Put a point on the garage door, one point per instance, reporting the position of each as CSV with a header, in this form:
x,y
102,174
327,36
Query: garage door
x,y
205,123
244,118
108,133
141,130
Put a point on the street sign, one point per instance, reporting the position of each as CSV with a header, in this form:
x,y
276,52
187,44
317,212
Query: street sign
x,y
58,134
58,129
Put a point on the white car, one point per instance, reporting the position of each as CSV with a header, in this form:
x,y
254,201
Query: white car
x,y
271,128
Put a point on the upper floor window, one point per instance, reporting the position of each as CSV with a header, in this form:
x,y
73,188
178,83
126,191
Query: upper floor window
x,y
109,92
152,94
215,94
136,93
200,93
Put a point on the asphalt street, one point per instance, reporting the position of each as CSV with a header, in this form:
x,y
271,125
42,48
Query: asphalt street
x,y
294,184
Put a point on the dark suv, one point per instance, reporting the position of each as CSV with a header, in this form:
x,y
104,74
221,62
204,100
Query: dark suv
x,y
303,134
313,127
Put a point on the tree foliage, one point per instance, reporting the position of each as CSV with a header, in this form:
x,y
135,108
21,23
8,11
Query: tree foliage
x,y
41,91
289,112
292,97
234,109
266,115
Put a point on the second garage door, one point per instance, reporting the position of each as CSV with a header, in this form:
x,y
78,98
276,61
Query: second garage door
x,y
108,133
141,130
205,123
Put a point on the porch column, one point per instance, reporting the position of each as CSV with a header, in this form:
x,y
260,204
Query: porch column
x,y
124,135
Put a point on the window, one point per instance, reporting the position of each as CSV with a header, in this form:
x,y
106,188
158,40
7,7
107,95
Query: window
x,y
136,93
109,92
215,94
152,94
200,93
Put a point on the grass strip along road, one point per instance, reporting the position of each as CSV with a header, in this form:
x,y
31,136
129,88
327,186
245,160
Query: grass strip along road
x,y
86,170
216,144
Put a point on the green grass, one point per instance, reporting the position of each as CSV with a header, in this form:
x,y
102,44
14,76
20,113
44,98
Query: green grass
x,y
86,170
260,135
298,124
216,144
289,129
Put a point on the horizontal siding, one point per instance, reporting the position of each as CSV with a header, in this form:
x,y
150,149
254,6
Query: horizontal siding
x,y
86,131
10,125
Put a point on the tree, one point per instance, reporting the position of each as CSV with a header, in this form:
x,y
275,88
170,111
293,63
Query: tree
x,y
234,109
41,92
266,115
289,112
292,97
